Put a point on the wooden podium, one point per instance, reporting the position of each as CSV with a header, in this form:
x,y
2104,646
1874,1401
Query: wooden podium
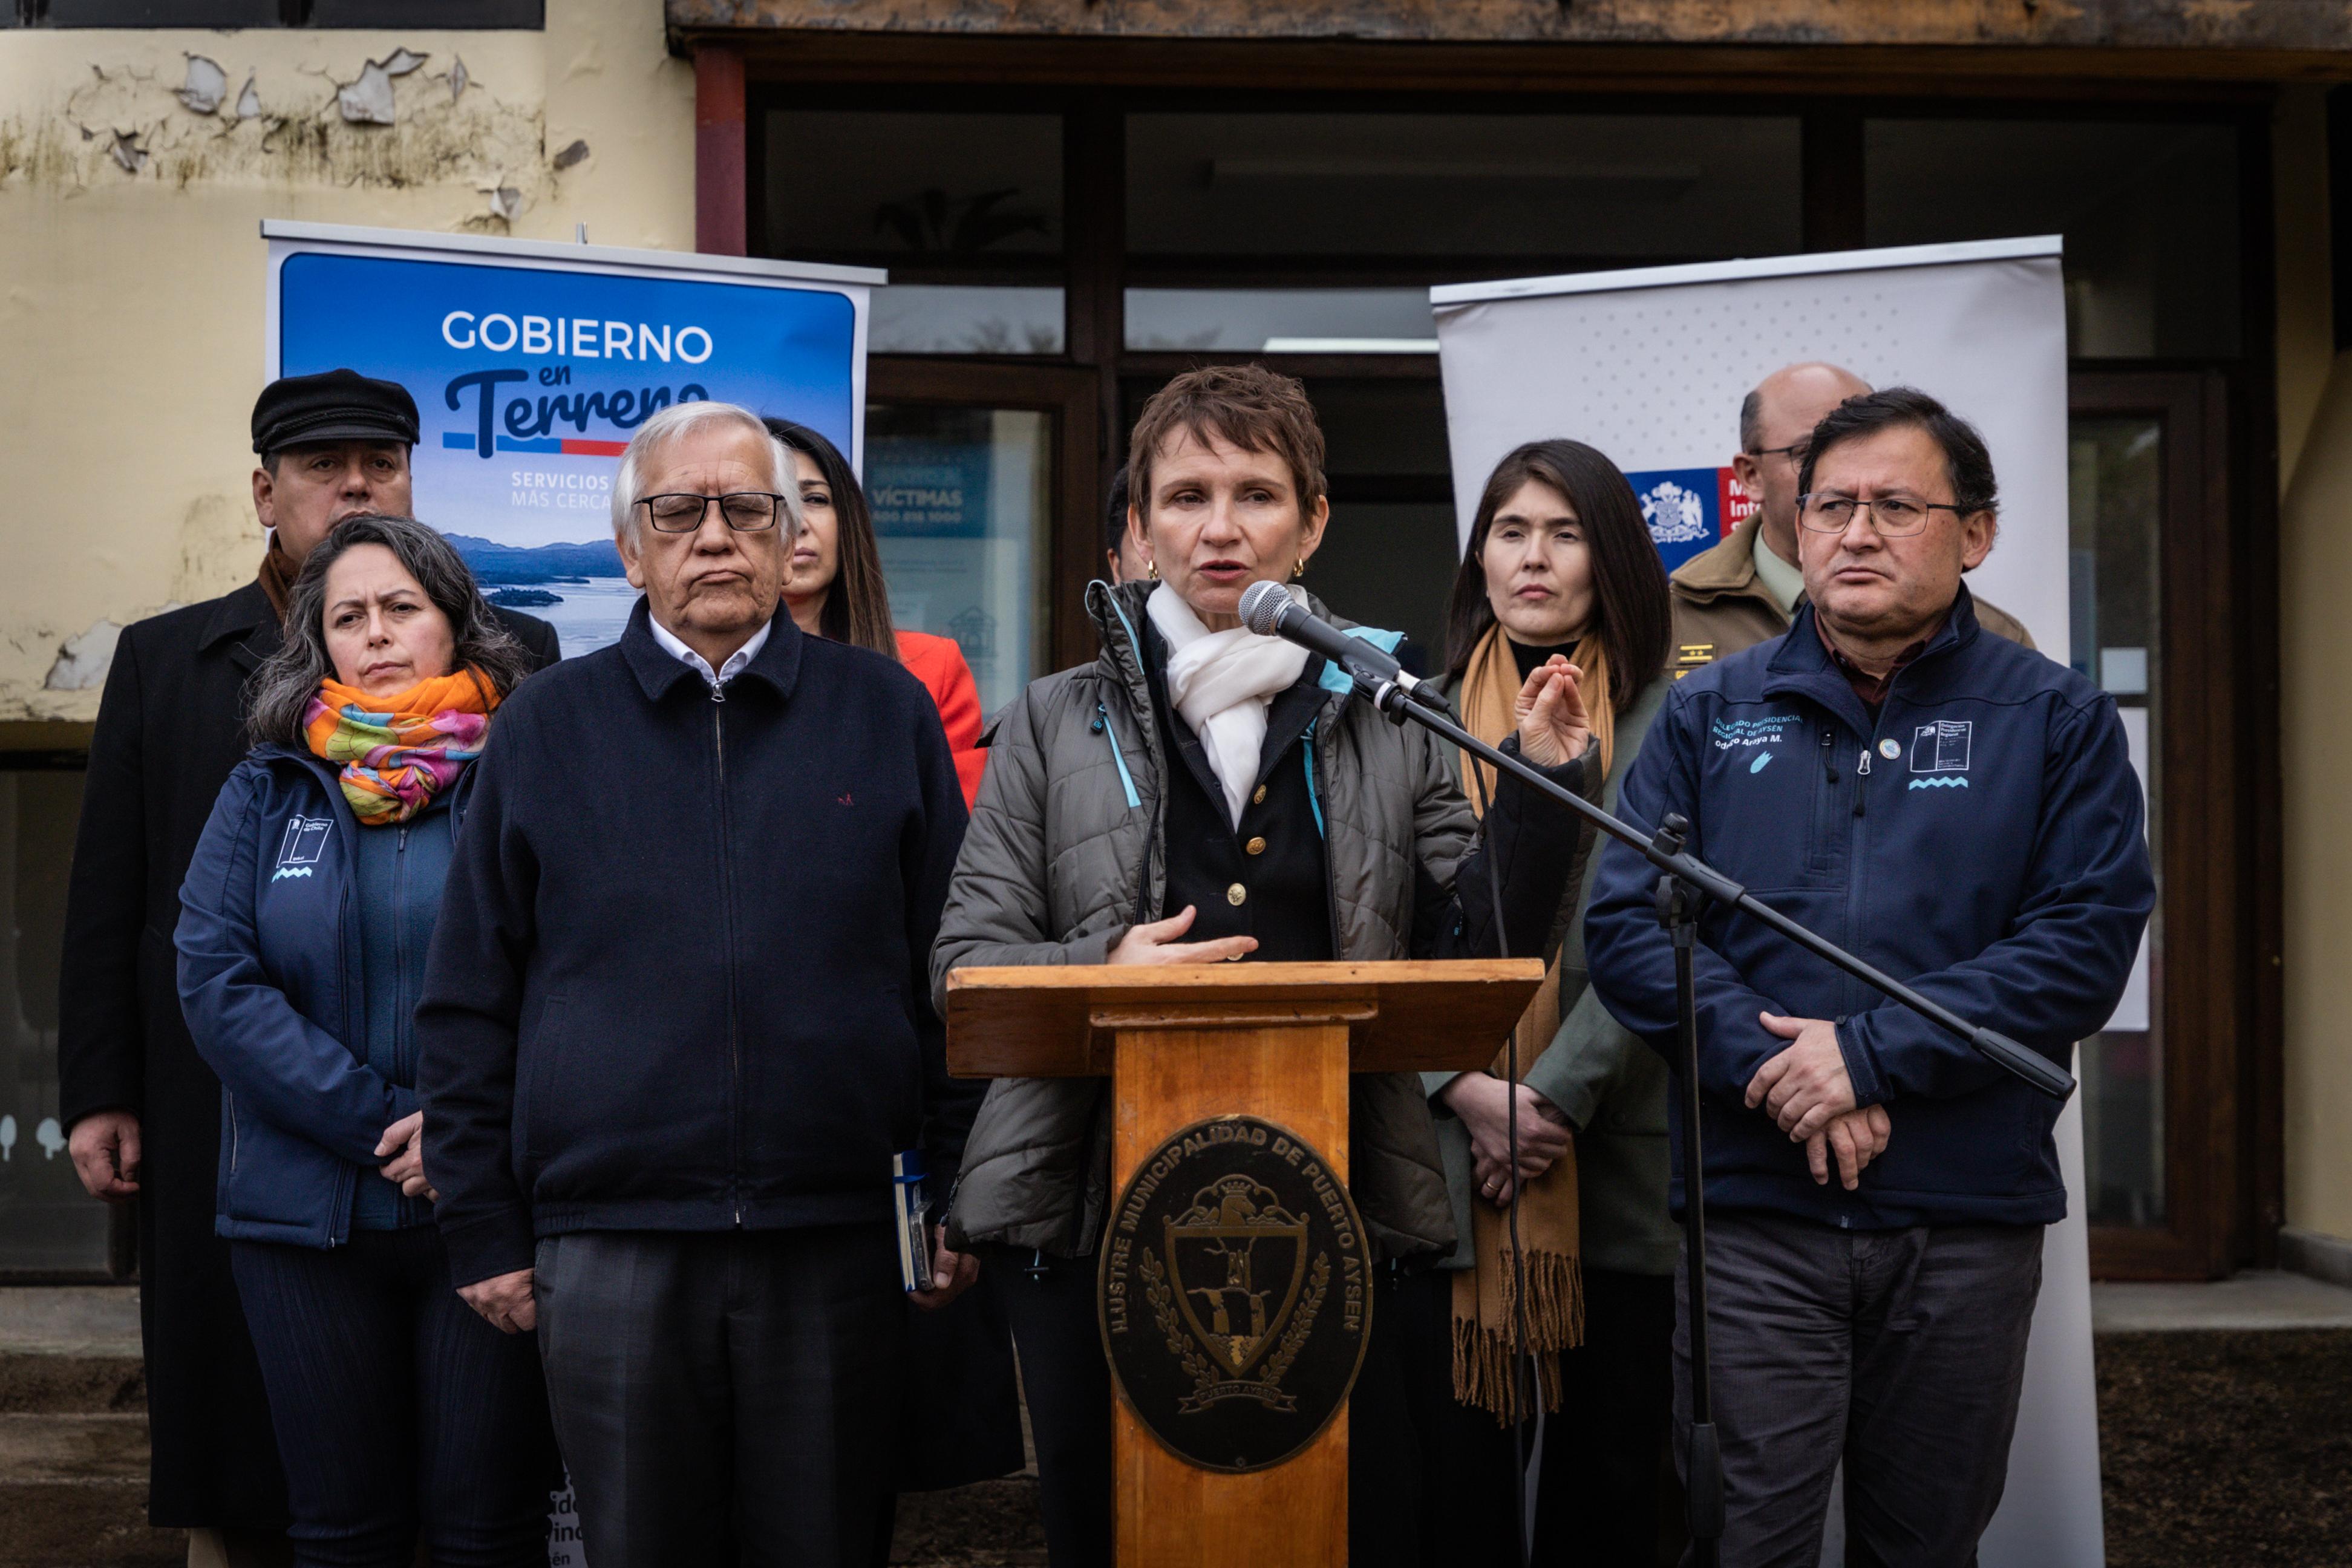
x,y
1267,1044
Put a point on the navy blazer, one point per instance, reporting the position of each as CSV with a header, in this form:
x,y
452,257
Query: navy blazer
x,y
1981,838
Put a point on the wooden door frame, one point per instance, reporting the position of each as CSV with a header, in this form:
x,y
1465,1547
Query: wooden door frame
x,y
1072,394
2205,1008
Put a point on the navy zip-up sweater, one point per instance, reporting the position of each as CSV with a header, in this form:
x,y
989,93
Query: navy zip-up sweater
x,y
1979,838
679,981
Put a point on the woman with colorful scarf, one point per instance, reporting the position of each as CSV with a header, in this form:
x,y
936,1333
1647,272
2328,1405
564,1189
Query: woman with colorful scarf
x,y
1560,564
302,935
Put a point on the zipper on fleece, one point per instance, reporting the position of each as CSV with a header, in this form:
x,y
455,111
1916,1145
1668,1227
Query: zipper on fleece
x,y
727,925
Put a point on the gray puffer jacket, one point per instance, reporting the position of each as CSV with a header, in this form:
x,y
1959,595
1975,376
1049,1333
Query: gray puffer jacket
x,y
1067,850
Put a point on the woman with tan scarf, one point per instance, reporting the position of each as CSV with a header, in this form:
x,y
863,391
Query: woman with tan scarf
x,y
1560,562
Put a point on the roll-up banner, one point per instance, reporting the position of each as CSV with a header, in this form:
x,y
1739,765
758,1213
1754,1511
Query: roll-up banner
x,y
1650,366
531,362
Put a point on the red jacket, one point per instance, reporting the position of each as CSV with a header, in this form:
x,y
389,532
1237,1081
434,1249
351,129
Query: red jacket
x,y
939,664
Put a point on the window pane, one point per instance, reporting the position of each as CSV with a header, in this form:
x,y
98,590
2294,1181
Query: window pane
x,y
962,513
47,1223
2115,468
524,13
2149,212
954,190
163,13
1282,321
1558,187
955,319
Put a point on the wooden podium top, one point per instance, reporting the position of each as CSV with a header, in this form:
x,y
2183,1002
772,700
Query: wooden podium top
x,y
1058,1020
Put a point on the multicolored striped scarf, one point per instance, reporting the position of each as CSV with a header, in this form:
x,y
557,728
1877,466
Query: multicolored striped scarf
x,y
398,751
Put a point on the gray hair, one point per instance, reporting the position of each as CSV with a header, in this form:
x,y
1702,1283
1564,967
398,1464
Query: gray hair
x,y
673,425
283,686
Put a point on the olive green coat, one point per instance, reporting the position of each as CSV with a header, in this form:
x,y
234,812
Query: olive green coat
x,y
1612,1087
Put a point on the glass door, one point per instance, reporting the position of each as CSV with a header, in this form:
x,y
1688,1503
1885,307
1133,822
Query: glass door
x,y
2153,590
969,471
50,1229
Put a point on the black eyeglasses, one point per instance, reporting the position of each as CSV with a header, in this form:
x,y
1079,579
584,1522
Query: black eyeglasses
x,y
1892,516
1794,451
746,512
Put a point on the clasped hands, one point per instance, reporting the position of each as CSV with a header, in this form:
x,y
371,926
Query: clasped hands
x,y
1483,1101
1807,1092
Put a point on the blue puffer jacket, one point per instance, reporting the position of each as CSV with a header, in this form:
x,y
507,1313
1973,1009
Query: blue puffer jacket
x,y
1981,839
272,984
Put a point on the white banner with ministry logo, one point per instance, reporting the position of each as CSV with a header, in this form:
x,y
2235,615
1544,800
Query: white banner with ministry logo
x,y
1650,366
531,362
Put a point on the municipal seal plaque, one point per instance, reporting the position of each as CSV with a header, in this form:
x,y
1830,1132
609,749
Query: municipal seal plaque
x,y
1236,1293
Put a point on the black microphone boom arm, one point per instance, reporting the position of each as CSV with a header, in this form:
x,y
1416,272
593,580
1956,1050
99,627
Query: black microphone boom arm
x,y
1665,851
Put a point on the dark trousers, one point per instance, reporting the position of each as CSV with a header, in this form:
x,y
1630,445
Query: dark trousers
x,y
728,1396
1596,1490
1451,1463
397,1406
1605,1463
1900,1352
1066,1380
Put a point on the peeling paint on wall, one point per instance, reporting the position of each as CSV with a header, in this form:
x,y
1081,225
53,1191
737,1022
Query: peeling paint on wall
x,y
82,663
390,123
132,184
205,86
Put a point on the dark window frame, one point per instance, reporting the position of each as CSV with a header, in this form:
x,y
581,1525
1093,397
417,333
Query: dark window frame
x,y
438,15
122,1219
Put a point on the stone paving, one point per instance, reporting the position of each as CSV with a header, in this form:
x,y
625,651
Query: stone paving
x,y
2225,1415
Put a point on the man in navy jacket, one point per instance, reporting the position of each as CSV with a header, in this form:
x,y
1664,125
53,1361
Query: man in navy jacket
x,y
1961,812
676,1022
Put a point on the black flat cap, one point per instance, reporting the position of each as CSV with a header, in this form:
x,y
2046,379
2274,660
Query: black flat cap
x,y
334,405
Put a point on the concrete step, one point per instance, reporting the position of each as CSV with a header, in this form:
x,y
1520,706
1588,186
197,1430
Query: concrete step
x,y
2254,1299
83,1524
67,1385
81,1448
70,1320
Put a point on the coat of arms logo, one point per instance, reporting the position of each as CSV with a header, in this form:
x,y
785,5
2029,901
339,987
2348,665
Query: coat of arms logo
x,y
1236,1293
1675,515
1236,1262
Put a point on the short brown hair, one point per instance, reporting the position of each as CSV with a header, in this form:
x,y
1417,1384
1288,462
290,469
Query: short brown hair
x,y
1250,407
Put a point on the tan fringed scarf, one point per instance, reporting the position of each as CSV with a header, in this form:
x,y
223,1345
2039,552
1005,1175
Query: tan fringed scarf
x,y
1483,1305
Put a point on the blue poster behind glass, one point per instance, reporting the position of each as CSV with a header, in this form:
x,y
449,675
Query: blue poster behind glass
x,y
961,515
531,365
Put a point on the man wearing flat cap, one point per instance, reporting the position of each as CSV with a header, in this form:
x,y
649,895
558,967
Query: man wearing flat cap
x,y
143,1110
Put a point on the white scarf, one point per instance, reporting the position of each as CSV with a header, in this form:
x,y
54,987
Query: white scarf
x,y
1222,682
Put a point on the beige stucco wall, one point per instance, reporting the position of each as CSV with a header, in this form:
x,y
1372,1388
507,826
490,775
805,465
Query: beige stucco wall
x,y
2316,583
131,297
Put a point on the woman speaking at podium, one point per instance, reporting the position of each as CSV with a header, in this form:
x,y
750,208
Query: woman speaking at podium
x,y
1198,795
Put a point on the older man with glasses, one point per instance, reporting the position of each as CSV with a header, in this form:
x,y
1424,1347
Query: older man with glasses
x,y
1743,591
676,1023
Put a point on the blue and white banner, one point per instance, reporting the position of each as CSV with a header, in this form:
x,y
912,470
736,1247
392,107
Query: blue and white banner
x,y
532,363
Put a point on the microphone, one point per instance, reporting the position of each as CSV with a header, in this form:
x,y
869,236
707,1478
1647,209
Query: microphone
x,y
1268,609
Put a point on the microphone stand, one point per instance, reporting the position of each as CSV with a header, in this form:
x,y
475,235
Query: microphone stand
x,y
1685,884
